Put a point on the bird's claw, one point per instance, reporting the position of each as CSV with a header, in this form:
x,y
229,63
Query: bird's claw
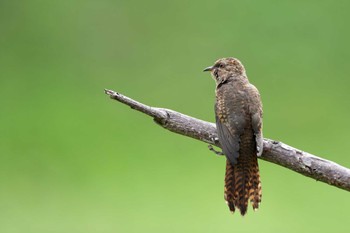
x,y
211,148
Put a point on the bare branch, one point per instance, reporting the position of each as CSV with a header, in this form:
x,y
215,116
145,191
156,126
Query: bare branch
x,y
275,152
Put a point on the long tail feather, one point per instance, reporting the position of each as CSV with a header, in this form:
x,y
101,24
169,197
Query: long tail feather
x,y
242,183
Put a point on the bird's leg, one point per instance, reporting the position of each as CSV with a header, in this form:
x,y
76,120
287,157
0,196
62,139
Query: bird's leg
x,y
211,148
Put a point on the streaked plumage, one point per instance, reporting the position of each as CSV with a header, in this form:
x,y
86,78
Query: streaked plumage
x,y
238,111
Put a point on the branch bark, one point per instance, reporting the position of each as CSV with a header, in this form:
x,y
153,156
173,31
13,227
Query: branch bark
x,y
276,152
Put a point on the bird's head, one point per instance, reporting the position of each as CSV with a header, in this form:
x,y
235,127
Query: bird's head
x,y
225,68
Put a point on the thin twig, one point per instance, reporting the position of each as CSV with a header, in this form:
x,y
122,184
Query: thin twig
x,y
276,152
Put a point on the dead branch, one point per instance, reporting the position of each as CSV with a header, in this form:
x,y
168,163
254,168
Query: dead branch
x,y
274,151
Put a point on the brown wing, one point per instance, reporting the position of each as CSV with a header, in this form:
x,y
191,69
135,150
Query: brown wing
x,y
229,132
257,115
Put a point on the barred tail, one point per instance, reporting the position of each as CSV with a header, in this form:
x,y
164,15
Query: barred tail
x,y
242,183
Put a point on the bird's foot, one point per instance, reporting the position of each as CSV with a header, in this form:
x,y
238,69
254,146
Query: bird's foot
x,y
211,148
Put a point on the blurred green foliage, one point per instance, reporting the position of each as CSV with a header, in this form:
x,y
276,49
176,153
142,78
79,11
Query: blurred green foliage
x,y
71,160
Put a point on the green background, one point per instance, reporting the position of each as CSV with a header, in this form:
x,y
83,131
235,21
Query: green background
x,y
72,160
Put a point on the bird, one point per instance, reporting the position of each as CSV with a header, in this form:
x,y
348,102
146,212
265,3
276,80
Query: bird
x,y
238,114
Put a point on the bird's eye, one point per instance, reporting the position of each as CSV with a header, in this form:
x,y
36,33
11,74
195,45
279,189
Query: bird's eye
x,y
221,65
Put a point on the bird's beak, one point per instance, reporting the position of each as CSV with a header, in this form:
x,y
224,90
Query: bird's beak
x,y
209,68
